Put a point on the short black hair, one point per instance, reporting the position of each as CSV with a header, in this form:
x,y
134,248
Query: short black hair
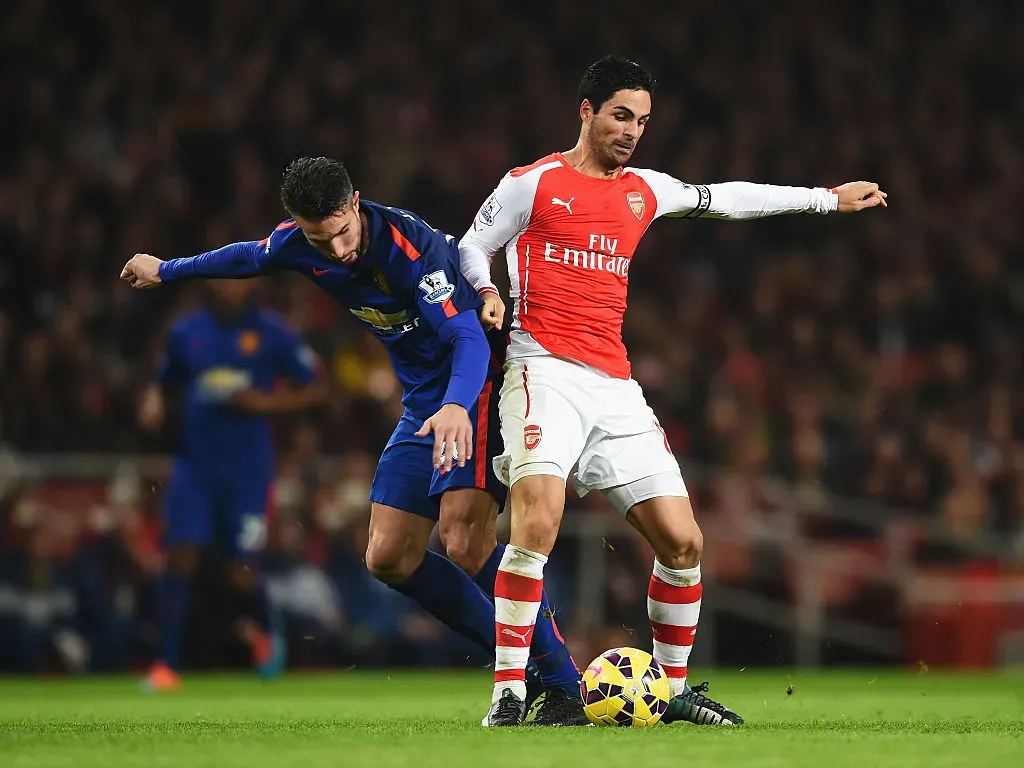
x,y
315,187
610,74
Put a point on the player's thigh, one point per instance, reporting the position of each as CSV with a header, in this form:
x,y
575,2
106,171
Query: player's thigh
x,y
188,509
544,426
668,524
243,506
628,444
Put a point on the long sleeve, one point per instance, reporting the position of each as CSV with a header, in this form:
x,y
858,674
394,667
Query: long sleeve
x,y
734,199
475,265
470,358
502,217
234,260
745,200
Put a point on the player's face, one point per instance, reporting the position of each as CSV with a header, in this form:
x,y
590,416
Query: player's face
x,y
339,236
614,130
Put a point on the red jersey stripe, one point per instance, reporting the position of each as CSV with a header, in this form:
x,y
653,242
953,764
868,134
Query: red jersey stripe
x,y
403,242
483,405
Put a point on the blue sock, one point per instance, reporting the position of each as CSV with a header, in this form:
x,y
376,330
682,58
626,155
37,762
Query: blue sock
x,y
547,651
445,590
172,608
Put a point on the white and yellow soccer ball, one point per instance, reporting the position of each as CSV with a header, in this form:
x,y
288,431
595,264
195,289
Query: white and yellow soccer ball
x,y
625,687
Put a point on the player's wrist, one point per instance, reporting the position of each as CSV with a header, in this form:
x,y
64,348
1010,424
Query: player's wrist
x,y
832,200
488,289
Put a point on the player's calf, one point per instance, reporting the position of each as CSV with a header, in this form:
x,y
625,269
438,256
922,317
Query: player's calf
x,y
172,594
467,527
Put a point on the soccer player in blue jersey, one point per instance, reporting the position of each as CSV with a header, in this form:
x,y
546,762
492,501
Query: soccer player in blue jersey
x,y
226,360
401,278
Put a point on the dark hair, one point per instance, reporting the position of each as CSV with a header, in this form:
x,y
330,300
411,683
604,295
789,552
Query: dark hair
x,y
610,74
315,187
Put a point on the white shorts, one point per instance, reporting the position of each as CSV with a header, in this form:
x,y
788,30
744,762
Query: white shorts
x,y
556,413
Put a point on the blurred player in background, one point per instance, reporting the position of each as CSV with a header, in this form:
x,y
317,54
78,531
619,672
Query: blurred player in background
x,y
569,225
401,278
227,360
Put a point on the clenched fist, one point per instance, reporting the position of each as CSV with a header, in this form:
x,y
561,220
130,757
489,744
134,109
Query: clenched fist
x,y
858,195
142,271
492,313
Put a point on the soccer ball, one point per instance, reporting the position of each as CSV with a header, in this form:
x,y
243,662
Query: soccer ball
x,y
625,686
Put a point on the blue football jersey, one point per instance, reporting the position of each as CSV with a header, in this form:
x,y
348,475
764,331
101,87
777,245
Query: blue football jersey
x,y
402,289
212,361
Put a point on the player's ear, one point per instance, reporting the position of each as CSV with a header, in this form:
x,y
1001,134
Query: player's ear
x,y
586,110
355,201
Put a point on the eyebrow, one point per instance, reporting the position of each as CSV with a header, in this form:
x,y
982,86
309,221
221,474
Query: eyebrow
x,y
327,238
628,111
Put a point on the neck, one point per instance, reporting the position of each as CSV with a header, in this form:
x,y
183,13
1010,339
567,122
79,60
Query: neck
x,y
364,240
583,158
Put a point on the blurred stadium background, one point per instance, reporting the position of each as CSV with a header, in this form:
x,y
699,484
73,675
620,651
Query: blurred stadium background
x,y
845,393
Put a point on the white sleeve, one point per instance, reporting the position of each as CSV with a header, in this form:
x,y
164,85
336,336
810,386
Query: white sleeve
x,y
502,217
734,199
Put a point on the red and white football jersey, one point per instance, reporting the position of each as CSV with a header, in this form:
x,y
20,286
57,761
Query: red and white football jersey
x,y
570,238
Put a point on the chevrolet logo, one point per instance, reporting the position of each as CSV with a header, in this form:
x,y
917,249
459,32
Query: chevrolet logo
x,y
381,320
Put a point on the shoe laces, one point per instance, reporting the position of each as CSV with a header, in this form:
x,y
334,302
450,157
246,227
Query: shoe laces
x,y
509,705
556,703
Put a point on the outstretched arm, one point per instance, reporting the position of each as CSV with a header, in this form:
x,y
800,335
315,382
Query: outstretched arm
x,y
232,261
745,200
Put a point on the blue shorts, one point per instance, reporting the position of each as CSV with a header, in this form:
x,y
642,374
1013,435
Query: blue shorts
x,y
202,510
406,478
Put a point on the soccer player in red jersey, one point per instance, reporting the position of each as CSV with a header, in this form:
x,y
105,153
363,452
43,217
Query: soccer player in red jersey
x,y
569,225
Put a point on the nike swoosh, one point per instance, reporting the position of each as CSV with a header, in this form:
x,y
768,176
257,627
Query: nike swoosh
x,y
318,272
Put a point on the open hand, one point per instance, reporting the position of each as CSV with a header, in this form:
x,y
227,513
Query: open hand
x,y
453,436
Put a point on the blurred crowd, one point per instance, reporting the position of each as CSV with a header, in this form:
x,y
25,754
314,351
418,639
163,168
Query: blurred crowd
x,y
877,356
79,561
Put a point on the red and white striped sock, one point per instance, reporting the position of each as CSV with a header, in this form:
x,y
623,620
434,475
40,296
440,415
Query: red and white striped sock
x,y
517,595
673,605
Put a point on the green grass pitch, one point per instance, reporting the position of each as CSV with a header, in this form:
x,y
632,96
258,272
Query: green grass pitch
x,y
377,720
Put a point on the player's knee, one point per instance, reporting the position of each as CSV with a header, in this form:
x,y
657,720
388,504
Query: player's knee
x,y
391,563
684,550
